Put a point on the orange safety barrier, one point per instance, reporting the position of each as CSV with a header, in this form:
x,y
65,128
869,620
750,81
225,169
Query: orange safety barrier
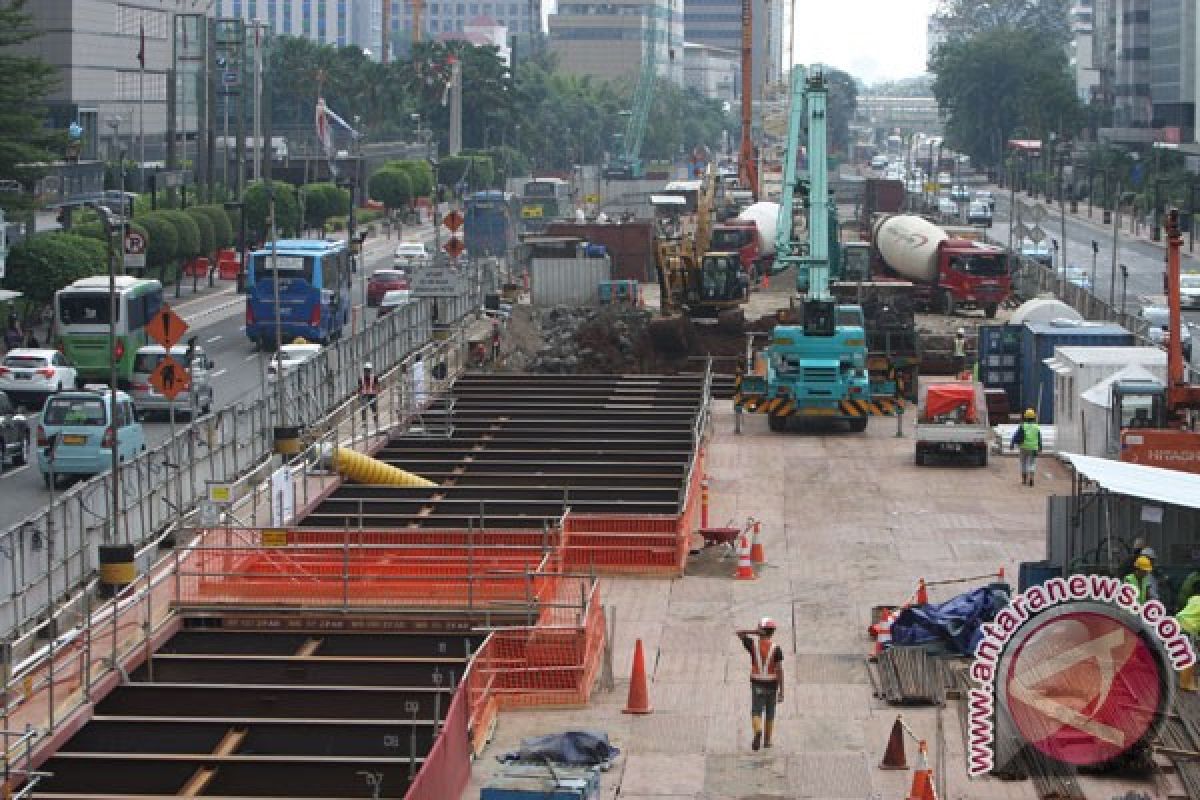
x,y
546,538
447,767
196,268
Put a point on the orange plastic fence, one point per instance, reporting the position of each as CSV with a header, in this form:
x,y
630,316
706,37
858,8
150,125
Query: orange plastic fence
x,y
447,767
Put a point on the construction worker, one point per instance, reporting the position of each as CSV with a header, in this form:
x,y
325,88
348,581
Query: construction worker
x,y
1142,578
368,394
960,352
1189,589
1028,439
766,679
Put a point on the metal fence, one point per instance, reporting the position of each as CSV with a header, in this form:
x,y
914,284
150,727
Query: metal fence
x,y
52,554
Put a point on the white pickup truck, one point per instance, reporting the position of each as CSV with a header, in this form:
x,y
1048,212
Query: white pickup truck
x,y
952,421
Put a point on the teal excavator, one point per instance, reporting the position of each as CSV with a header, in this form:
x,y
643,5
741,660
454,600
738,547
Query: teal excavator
x,y
815,365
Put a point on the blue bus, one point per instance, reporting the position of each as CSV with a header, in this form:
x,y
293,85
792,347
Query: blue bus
x,y
490,226
314,291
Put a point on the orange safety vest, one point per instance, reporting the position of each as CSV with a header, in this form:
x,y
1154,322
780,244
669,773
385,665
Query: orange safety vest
x,y
369,386
764,666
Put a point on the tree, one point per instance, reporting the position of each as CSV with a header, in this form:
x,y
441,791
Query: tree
x,y
23,138
842,103
256,208
222,230
42,264
190,244
205,228
420,175
392,187
998,81
322,201
963,19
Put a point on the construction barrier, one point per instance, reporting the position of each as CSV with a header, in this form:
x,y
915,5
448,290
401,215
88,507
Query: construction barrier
x,y
447,766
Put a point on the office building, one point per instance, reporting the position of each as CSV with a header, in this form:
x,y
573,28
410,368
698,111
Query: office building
x,y
519,18
718,23
1173,69
713,71
610,40
323,21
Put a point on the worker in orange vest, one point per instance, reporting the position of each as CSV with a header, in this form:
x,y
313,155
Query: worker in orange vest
x,y
368,394
766,679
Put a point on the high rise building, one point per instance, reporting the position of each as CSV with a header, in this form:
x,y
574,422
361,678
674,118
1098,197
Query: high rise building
x,y
719,23
609,40
1083,59
713,71
323,21
520,18
1173,68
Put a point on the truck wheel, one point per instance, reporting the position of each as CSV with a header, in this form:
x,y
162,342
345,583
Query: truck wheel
x,y
858,424
990,310
948,304
776,423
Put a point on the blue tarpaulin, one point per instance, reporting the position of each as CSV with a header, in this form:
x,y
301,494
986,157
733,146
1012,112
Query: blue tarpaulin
x,y
576,748
954,623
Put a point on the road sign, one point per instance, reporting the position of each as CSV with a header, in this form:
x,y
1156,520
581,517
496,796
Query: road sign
x,y
170,379
166,327
273,538
453,220
221,494
439,280
931,187
1036,234
453,247
230,78
591,198
531,212
135,249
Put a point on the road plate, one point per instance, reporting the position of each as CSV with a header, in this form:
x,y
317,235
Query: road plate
x,y
74,438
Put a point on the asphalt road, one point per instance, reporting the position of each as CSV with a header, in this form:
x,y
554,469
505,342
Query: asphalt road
x,y
218,322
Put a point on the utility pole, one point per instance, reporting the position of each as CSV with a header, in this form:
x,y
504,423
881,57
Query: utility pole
x,y
456,108
1112,277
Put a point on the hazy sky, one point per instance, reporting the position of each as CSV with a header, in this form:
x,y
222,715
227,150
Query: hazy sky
x,y
873,40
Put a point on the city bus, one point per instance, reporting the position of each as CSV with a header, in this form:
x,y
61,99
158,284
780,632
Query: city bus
x,y
314,291
490,227
81,324
544,200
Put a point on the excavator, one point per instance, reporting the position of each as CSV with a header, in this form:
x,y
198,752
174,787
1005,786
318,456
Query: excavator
x,y
693,281
816,364
1156,423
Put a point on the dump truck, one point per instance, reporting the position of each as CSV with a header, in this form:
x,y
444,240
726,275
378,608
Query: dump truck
x,y
952,422
948,273
751,234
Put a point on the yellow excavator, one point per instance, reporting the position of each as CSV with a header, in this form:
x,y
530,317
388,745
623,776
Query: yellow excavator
x,y
694,282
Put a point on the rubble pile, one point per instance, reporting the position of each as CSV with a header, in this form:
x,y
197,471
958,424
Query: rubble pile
x,y
590,340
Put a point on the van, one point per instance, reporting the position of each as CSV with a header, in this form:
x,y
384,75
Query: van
x,y
146,398
76,433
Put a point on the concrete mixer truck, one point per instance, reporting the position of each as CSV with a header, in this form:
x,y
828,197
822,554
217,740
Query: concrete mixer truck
x,y
751,234
947,274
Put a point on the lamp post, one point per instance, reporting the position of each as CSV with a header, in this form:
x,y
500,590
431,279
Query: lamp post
x,y
1124,285
1095,254
111,230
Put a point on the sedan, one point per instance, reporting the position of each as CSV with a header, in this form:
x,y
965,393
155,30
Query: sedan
x,y
30,375
289,357
383,281
14,434
947,206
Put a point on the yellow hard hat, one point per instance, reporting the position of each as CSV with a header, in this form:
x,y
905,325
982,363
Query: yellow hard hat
x,y
1141,562
299,340
1030,414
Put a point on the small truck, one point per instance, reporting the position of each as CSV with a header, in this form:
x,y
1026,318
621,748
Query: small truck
x,y
952,421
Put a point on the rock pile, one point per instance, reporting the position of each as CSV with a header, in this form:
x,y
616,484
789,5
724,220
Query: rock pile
x,y
590,340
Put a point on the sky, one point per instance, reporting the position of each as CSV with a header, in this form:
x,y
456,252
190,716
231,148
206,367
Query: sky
x,y
873,40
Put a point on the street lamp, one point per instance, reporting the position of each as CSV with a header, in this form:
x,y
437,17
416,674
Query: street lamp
x,y
1095,253
1124,285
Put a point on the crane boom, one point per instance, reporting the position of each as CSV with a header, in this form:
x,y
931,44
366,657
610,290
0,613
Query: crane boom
x,y
747,167
628,163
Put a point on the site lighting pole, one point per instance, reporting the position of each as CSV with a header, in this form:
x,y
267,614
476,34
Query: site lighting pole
x,y
1124,286
112,229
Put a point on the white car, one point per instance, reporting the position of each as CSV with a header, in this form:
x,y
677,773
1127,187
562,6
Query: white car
x,y
411,254
1189,290
947,206
289,357
30,375
393,299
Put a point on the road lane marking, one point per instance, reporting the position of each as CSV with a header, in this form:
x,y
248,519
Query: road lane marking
x,y
10,473
219,373
215,339
250,357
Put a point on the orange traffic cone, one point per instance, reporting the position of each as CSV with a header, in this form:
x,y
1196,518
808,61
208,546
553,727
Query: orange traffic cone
x,y
757,556
639,695
922,783
766,280
745,568
922,592
883,633
1000,575
893,756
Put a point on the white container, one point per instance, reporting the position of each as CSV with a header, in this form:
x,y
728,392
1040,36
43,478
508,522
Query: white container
x,y
567,281
1045,309
765,217
909,245
1082,426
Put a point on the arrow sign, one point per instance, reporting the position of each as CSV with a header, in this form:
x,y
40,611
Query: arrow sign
x,y
166,327
453,221
453,247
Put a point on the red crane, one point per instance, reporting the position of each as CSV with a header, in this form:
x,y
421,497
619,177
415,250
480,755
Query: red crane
x,y
747,159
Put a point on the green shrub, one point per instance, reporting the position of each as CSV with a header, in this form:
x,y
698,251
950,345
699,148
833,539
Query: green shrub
x,y
42,264
188,232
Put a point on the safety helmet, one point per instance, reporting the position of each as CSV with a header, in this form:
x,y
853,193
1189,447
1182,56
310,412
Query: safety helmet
x,y
1141,562
961,332
299,340
1149,553
1030,414
367,366
766,624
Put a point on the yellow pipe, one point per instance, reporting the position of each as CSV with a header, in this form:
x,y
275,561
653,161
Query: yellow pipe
x,y
364,469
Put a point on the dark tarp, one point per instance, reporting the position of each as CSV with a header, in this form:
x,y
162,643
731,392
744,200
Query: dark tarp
x,y
954,624
575,748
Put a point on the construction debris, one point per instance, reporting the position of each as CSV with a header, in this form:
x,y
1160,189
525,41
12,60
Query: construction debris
x,y
909,676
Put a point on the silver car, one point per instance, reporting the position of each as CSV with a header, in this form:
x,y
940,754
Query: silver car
x,y
147,399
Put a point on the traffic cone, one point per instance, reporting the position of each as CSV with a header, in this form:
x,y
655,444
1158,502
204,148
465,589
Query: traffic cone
x,y
757,556
638,701
922,593
922,783
1000,575
766,280
893,755
745,568
883,633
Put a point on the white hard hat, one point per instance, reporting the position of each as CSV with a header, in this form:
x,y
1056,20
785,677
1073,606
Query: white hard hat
x,y
961,331
766,624
367,365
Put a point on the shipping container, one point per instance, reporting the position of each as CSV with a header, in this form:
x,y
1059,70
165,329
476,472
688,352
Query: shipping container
x,y
630,245
567,281
999,354
1038,341
1082,425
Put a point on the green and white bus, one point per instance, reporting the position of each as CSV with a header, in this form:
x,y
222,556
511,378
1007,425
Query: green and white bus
x,y
81,316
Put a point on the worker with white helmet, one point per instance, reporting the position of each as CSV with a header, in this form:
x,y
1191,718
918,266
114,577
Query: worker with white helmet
x,y
368,394
766,679
960,352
